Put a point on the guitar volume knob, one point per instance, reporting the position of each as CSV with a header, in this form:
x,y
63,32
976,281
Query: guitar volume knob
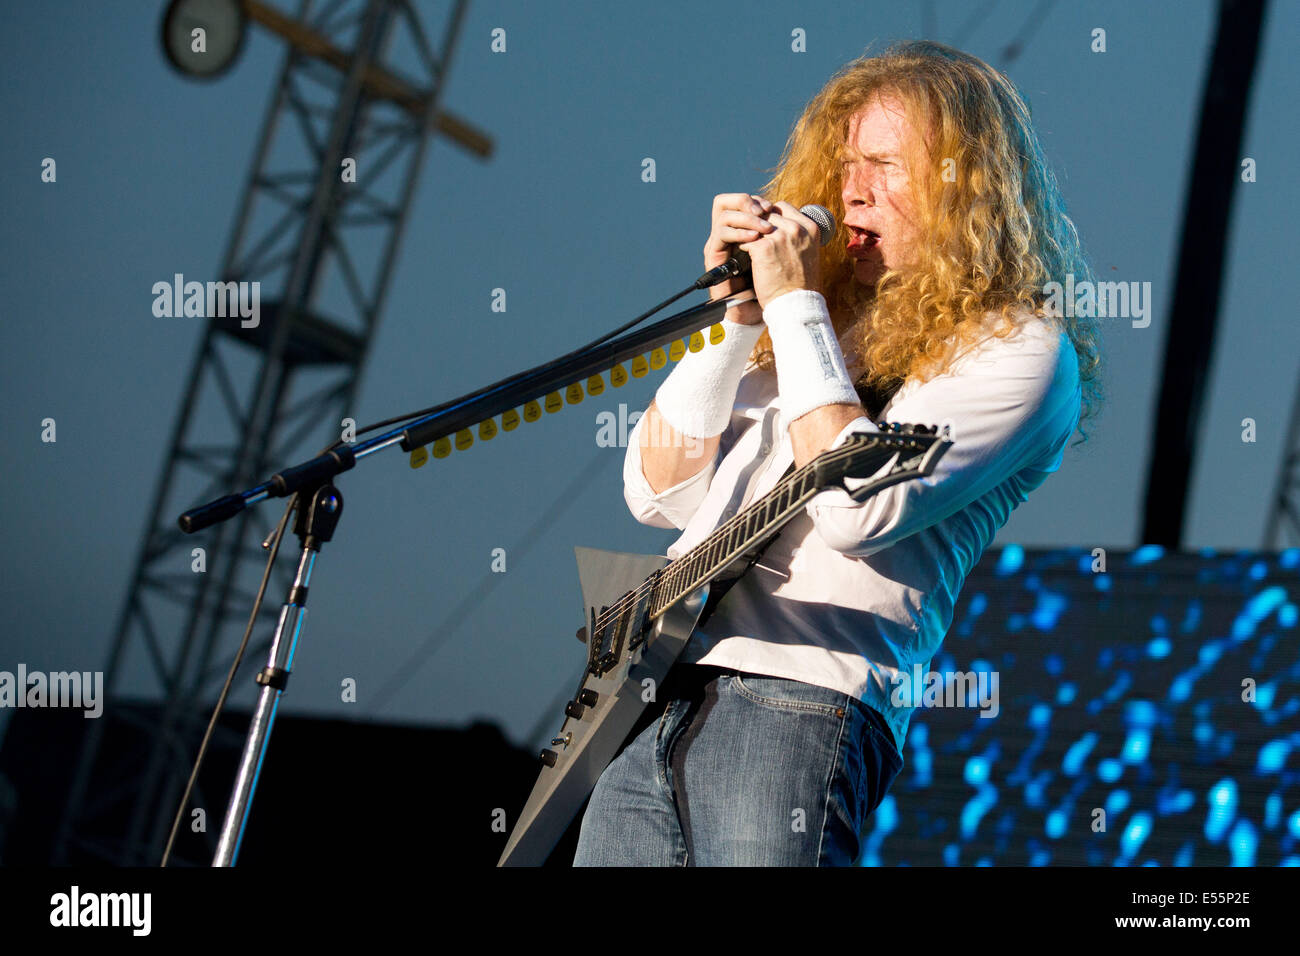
x,y
589,698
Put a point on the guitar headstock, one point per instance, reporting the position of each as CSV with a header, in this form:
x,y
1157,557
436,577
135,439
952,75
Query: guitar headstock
x,y
916,449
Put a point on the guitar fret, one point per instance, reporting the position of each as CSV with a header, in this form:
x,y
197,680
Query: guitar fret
x,y
744,531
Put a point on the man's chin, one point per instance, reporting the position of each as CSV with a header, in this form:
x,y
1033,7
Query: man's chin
x,y
867,271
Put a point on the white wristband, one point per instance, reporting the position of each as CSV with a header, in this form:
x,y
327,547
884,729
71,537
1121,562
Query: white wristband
x,y
810,369
696,398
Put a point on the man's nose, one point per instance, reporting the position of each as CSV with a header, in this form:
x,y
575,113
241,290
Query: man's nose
x,y
858,190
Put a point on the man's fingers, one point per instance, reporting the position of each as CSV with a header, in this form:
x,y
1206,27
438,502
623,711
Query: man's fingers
x,y
790,220
734,226
740,202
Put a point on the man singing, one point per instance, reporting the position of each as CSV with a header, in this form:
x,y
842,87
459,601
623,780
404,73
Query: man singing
x,y
779,732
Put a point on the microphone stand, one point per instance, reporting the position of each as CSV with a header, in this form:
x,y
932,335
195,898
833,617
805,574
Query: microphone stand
x,y
320,505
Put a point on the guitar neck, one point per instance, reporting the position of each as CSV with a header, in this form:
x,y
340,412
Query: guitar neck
x,y
748,530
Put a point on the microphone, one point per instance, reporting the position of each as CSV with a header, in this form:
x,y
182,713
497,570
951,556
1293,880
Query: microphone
x,y
740,264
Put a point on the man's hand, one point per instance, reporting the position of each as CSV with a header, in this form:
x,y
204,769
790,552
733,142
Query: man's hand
x,y
737,218
786,258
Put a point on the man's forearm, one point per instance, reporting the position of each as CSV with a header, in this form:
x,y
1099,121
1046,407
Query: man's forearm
x,y
813,433
667,456
697,396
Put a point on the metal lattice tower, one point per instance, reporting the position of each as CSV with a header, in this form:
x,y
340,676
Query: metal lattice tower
x,y
267,396
1282,529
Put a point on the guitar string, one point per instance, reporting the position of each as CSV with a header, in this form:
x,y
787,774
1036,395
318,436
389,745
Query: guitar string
x,y
673,570
632,597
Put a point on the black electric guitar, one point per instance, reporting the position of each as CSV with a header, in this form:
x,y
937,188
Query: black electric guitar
x,y
641,609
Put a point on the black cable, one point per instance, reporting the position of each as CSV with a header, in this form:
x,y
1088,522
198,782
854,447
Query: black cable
x,y
230,679
396,420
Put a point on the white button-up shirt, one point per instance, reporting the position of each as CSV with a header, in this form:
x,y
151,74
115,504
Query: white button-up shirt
x,y
850,595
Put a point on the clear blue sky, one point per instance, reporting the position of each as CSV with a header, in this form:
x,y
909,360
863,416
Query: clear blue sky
x,y
150,167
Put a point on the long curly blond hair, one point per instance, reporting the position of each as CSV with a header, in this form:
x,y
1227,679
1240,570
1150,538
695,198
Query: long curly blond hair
x,y
993,226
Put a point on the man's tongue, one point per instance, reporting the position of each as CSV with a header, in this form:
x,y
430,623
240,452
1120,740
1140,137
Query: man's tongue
x,y
862,241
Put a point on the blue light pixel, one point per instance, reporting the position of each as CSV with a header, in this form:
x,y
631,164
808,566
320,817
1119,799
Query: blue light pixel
x,y
1040,715
1137,746
1264,695
1180,688
1257,609
1223,810
1272,756
1048,610
1147,554
1056,824
1135,834
886,814
1273,810
1110,770
1140,713
975,808
1159,647
977,771
1117,802
1077,754
1010,561
1243,843
1178,801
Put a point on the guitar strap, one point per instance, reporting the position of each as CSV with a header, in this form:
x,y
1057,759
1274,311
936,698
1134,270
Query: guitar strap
x,y
874,399
719,589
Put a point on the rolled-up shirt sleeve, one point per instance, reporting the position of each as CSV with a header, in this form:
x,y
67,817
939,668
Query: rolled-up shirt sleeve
x,y
1010,404
670,508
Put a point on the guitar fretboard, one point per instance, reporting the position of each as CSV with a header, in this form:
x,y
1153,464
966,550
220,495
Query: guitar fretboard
x,y
732,539
762,520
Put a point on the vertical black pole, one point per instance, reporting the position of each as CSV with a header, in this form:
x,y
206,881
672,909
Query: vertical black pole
x,y
1193,314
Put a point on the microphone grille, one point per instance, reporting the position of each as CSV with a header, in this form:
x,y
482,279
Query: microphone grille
x,y
822,216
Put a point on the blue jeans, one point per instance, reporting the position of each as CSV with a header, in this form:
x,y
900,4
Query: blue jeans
x,y
741,770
